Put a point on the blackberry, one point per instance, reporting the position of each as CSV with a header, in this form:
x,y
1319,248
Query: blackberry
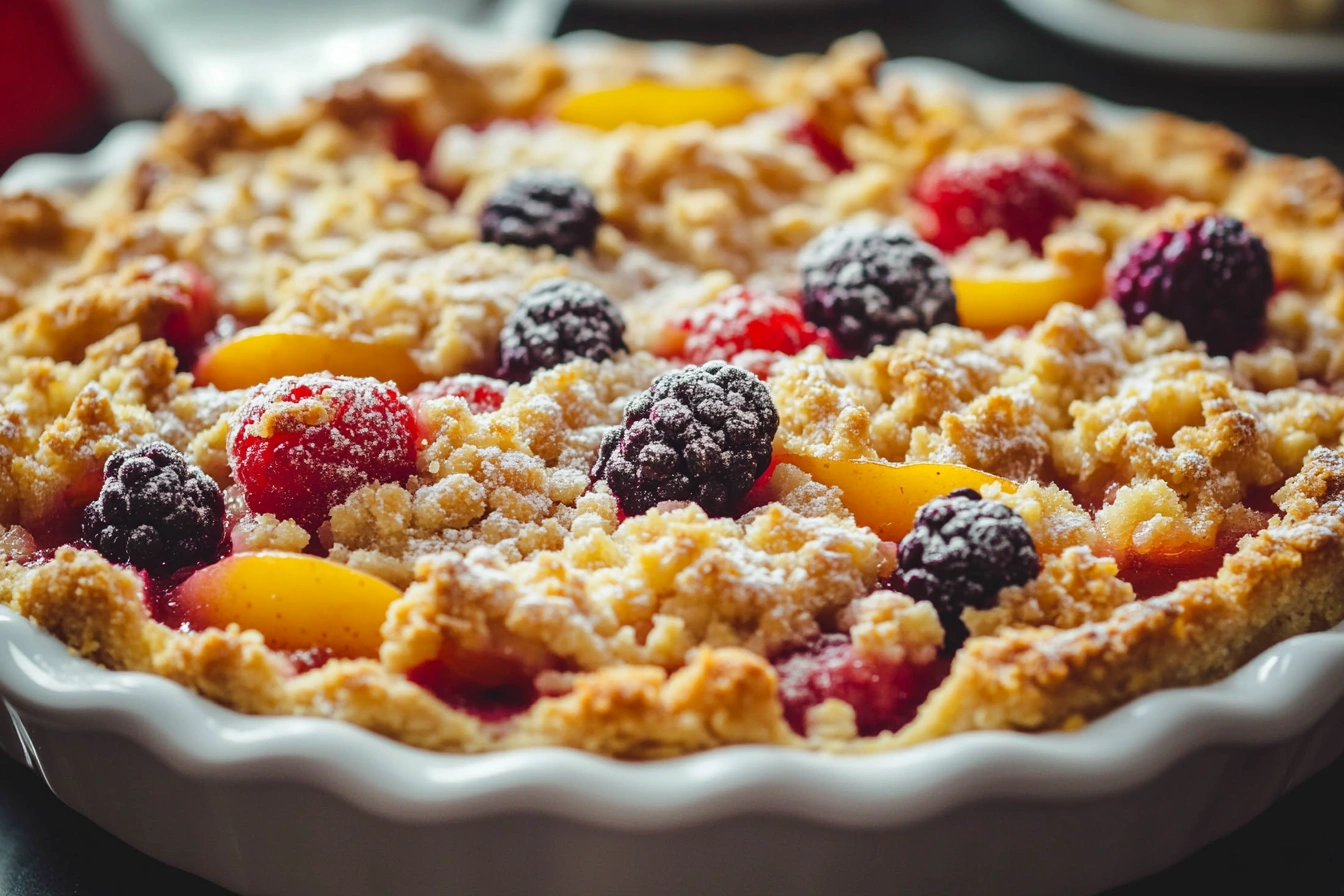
x,y
700,434
866,284
155,511
1214,276
961,551
557,321
542,208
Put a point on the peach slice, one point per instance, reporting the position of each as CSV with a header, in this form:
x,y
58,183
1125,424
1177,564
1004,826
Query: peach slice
x,y
658,104
257,356
995,304
884,496
296,601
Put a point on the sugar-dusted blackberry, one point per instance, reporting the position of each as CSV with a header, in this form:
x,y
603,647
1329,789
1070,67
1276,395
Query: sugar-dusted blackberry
x,y
1213,275
542,208
866,283
557,321
700,434
961,551
155,511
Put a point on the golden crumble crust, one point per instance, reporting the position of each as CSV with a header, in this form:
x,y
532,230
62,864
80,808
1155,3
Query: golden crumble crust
x,y
354,218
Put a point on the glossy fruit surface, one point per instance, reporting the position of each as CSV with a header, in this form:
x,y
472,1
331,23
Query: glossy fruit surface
x,y
885,497
296,601
255,356
992,305
660,105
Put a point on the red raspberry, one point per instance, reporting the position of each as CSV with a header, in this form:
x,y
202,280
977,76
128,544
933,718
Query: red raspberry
x,y
741,320
186,329
885,695
827,150
301,445
482,394
1019,192
408,141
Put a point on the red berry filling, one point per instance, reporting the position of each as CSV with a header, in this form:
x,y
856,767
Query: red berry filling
x,y
302,445
492,687
830,153
63,526
1158,573
186,329
310,659
759,496
482,394
745,319
885,695
409,142
1022,193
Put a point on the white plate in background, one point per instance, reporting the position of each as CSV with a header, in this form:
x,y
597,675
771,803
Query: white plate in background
x,y
1113,28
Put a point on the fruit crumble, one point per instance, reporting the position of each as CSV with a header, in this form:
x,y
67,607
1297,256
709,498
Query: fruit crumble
x,y
648,403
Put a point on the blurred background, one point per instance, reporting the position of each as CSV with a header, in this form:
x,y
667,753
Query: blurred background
x,y
70,70
1270,69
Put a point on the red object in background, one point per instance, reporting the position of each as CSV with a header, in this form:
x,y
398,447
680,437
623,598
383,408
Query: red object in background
x,y
47,94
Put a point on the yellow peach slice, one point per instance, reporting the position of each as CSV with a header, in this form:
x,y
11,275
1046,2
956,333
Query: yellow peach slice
x,y
658,104
1006,301
297,602
884,496
994,305
257,356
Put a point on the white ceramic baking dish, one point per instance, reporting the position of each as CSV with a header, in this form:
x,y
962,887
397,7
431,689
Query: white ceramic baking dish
x,y
309,807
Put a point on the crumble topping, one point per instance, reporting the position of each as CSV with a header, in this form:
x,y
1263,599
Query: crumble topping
x,y
354,218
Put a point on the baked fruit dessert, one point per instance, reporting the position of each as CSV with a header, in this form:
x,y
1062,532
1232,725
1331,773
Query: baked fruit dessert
x,y
646,405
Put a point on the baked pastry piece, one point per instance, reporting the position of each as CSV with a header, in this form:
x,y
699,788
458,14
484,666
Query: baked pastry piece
x,y
410,409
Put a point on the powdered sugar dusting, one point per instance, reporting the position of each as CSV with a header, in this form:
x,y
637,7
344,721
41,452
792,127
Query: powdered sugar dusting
x,y
301,445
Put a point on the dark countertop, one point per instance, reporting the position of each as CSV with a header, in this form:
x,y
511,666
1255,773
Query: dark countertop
x,y
48,850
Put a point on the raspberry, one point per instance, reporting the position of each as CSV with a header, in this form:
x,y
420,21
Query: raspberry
x,y
701,434
828,151
885,695
482,394
865,284
299,446
557,321
961,551
1214,276
542,208
155,511
741,320
970,194
186,330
